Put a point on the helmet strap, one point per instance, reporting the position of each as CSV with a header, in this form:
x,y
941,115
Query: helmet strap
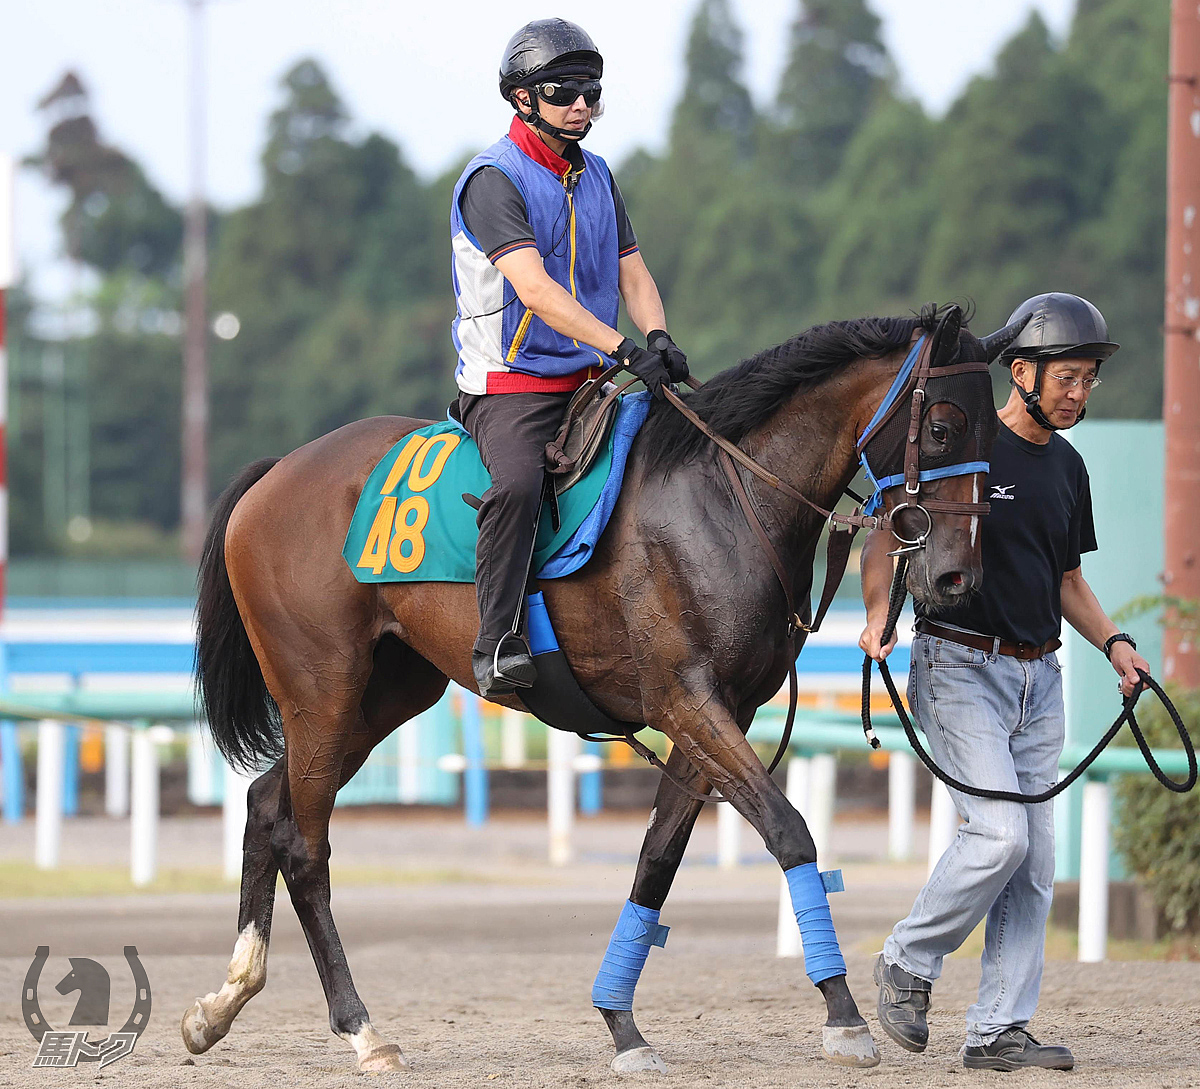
x,y
535,118
1033,399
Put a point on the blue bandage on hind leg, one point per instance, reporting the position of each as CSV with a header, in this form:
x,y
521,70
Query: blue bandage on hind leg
x,y
822,955
637,929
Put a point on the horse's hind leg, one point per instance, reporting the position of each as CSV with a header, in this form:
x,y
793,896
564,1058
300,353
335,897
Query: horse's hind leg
x,y
670,827
210,1017
323,750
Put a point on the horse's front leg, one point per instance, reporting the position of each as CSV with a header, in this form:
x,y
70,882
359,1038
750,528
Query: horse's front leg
x,y
667,834
706,734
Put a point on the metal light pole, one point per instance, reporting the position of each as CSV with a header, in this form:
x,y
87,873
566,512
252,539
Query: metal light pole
x,y
1181,390
10,746
7,276
194,484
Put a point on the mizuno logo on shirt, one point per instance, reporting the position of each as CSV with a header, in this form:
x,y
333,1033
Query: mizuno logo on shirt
x,y
1000,491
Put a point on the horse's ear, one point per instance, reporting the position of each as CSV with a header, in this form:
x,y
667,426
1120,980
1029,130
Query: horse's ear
x,y
995,343
945,336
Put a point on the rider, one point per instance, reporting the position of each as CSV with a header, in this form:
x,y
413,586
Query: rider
x,y
985,687
543,251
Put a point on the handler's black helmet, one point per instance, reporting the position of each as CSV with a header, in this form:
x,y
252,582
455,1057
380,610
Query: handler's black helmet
x,y
1060,326
547,48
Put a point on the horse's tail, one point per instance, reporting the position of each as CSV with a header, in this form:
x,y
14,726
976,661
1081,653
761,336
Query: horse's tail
x,y
241,714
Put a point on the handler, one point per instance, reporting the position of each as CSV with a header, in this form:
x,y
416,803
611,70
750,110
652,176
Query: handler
x,y
986,689
542,253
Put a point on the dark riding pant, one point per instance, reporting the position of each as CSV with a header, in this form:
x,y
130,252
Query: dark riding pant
x,y
511,431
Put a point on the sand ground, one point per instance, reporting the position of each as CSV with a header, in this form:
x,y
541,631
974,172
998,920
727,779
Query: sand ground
x,y
480,964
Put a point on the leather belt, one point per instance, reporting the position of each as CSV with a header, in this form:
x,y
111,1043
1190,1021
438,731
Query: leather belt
x,y
1024,651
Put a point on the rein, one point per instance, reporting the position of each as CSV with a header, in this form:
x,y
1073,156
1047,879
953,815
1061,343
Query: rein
x,y
897,597
919,367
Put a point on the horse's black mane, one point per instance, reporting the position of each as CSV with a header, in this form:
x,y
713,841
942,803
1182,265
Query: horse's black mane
x,y
740,398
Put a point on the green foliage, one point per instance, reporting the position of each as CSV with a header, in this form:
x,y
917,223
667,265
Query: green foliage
x,y
1157,831
837,70
715,101
843,198
116,219
338,276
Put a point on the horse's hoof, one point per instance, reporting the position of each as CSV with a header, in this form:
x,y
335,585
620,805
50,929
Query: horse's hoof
x,y
638,1060
199,1034
382,1060
851,1046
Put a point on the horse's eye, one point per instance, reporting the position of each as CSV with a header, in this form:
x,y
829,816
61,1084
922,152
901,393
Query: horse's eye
x,y
938,432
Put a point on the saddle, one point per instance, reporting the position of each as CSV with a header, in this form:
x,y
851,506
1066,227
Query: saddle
x,y
584,430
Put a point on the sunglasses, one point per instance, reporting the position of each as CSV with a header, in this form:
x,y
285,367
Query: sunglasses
x,y
563,92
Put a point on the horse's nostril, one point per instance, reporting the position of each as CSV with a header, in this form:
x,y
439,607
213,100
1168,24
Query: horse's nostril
x,y
953,583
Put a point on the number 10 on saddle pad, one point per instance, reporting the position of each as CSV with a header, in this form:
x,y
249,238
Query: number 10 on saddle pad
x,y
411,523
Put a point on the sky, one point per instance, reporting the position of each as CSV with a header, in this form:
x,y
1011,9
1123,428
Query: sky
x,y
422,74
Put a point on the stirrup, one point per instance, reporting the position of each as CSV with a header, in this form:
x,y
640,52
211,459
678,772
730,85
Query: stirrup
x,y
516,646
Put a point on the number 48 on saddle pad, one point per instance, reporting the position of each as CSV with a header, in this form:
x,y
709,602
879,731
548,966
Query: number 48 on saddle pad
x,y
411,523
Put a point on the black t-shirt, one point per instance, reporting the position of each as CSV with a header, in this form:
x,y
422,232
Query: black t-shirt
x,y
1040,523
493,210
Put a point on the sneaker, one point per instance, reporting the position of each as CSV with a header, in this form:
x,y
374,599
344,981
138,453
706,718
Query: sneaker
x,y
903,1004
1015,1049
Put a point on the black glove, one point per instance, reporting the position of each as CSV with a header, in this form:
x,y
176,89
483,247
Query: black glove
x,y
648,366
659,340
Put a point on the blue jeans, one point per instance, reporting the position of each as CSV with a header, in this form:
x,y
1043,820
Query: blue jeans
x,y
996,722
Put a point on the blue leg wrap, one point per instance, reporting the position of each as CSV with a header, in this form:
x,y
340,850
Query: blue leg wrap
x,y
637,929
822,955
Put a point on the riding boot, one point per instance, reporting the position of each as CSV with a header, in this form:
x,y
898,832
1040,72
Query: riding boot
x,y
516,669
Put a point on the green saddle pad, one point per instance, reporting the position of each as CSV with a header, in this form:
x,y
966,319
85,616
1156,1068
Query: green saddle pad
x,y
411,523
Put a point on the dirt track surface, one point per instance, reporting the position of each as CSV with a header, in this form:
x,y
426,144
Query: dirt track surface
x,y
486,982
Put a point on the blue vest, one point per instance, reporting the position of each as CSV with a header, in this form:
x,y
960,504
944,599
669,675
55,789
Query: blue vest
x,y
576,234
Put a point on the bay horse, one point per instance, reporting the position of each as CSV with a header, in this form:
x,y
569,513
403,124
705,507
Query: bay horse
x,y
678,622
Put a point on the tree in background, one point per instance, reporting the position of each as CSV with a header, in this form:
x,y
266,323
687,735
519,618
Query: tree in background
x,y
837,69
715,101
843,198
337,278
116,219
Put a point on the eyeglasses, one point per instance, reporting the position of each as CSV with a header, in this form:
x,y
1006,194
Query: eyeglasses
x,y
1071,381
564,92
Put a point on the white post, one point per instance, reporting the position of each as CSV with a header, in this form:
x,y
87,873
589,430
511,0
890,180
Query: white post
x,y
822,787
48,826
787,932
512,738
408,761
561,748
143,811
902,799
116,771
201,785
233,820
1093,873
943,823
729,836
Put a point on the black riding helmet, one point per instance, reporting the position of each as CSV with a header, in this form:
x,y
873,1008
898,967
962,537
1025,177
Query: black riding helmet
x,y
541,50
1060,326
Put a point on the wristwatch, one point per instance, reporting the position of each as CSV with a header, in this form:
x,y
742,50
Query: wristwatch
x,y
1120,637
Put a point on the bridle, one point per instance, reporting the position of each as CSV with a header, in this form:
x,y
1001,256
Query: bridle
x,y
911,382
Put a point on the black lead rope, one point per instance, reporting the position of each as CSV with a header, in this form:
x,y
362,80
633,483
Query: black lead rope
x,y
896,603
